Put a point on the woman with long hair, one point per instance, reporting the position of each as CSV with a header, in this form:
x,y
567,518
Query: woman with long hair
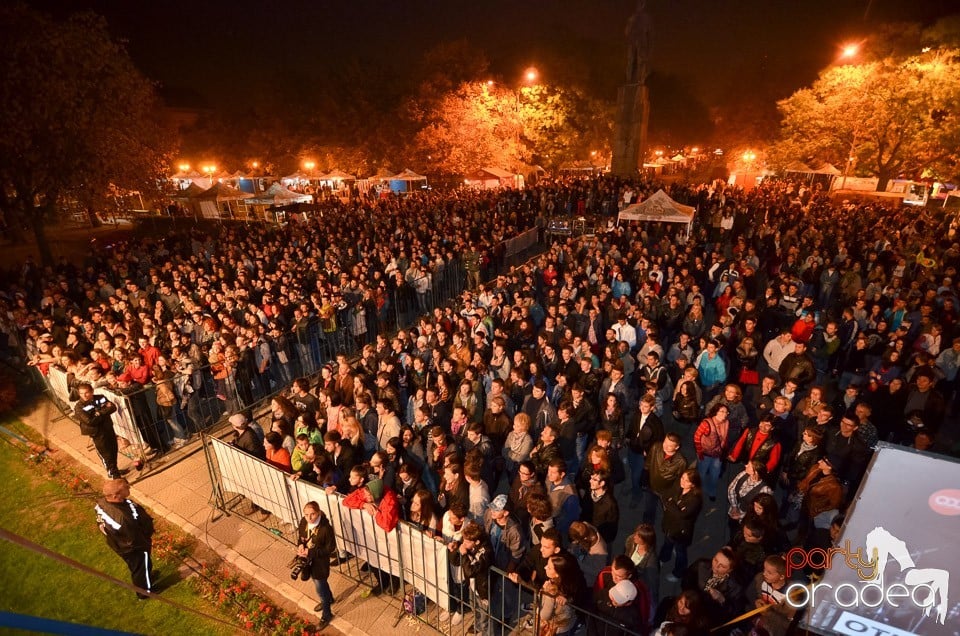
x,y
282,408
641,549
747,359
413,446
166,398
820,491
743,489
766,512
518,445
681,508
611,419
686,615
597,461
351,431
711,441
686,402
423,512
807,409
564,581
307,423
282,428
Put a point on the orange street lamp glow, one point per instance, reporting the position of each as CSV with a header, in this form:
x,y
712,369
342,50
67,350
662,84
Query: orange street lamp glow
x,y
531,74
309,165
749,156
184,167
255,165
850,50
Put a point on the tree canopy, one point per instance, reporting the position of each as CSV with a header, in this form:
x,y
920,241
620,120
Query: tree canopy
x,y
481,124
77,118
888,118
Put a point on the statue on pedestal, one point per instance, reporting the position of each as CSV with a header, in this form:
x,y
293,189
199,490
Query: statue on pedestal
x,y
633,104
638,44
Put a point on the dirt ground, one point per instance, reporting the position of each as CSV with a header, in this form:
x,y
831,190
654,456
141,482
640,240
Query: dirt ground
x,y
66,239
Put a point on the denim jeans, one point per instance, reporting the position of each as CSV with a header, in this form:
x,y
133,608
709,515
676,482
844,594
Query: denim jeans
x,y
710,469
582,440
481,613
326,597
635,462
679,550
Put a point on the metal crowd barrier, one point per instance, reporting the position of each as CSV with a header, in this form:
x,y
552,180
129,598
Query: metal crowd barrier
x,y
300,352
412,567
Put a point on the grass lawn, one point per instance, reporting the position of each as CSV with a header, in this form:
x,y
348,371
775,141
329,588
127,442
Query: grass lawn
x,y
46,512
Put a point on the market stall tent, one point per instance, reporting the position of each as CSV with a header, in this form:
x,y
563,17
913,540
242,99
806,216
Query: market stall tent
x,y
265,204
659,208
407,181
210,201
489,178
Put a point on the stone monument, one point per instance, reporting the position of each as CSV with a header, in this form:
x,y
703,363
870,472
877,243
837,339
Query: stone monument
x,y
633,103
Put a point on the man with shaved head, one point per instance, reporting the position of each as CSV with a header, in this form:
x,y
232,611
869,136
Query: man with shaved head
x,y
128,529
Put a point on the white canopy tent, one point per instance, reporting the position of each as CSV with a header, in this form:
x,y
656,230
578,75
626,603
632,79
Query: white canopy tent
x,y
279,195
660,208
218,193
407,181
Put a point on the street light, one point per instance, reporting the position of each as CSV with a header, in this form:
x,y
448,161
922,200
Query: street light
x,y
749,156
531,74
184,167
309,165
850,50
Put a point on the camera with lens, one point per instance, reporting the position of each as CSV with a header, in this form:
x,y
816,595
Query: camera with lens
x,y
301,569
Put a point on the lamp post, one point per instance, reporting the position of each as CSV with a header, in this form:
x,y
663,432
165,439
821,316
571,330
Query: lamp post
x,y
530,77
749,157
849,52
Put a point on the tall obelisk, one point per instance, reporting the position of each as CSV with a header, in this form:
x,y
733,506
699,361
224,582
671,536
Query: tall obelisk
x,y
633,103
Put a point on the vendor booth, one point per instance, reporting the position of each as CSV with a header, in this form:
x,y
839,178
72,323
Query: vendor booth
x,y
659,208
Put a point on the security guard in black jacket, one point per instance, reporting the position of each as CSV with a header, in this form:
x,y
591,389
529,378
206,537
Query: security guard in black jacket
x,y
128,529
93,412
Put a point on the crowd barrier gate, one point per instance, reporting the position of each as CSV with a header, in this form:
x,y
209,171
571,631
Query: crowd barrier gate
x,y
417,562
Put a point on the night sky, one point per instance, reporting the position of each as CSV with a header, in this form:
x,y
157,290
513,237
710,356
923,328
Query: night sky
x,y
212,52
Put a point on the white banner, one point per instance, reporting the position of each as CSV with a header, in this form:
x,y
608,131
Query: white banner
x,y
405,552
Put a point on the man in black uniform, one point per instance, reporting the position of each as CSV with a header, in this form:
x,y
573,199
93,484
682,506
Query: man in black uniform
x,y
128,529
93,412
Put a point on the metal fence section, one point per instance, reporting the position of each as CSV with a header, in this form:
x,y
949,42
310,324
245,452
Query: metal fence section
x,y
206,392
413,567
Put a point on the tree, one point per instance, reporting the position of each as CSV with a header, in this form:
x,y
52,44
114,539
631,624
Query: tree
x,y
885,118
561,124
77,118
473,126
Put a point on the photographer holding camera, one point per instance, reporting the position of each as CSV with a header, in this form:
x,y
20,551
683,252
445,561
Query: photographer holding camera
x,y
93,412
315,545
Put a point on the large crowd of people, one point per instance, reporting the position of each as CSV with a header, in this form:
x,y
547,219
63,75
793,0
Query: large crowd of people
x,y
750,367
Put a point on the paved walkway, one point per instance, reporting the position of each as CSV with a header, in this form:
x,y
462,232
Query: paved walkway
x,y
178,489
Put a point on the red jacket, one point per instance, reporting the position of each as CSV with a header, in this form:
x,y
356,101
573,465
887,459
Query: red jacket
x,y
388,509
